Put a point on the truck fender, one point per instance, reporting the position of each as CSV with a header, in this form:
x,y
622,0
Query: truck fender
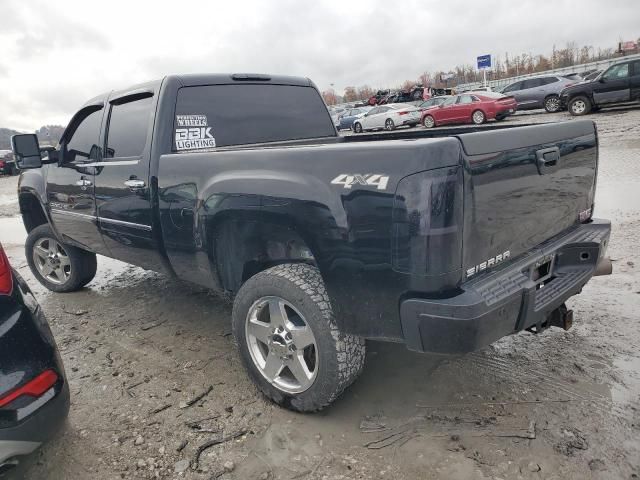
x,y
31,198
248,232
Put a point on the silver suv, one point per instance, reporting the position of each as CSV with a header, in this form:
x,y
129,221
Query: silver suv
x,y
538,92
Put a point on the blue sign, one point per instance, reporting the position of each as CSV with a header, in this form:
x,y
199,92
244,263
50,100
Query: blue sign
x,y
484,61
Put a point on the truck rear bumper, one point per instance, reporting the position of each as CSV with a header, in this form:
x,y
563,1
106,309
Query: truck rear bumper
x,y
518,296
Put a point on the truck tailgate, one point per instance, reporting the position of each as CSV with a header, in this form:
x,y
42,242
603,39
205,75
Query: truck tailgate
x,y
524,186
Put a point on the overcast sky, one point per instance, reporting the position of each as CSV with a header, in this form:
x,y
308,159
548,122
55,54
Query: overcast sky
x,y
56,55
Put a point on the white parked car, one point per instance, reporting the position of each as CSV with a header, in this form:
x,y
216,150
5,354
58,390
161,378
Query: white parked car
x,y
388,117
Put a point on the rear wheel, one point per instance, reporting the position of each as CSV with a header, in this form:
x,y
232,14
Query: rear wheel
x,y
59,267
428,121
478,117
289,340
552,104
389,125
357,127
579,106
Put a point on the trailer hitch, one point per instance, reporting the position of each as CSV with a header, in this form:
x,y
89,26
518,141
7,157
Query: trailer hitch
x,y
561,317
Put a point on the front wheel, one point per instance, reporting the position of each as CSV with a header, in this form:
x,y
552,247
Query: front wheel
x,y
59,267
289,340
478,117
357,127
389,125
552,104
579,106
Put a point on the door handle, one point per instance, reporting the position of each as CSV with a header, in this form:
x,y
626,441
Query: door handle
x,y
84,183
547,159
134,184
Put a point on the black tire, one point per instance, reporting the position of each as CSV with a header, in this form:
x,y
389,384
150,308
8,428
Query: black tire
x,y
389,125
83,264
579,105
357,127
340,357
478,117
552,104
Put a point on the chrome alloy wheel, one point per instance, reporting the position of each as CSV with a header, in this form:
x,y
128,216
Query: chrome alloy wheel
x,y
552,104
52,260
478,117
428,121
281,344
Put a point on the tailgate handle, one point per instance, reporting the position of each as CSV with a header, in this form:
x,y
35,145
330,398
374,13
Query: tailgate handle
x,y
547,159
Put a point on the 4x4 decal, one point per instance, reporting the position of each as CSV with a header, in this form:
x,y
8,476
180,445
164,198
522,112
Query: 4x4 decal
x,y
348,180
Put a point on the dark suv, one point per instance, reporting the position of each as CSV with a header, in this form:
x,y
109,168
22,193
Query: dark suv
x,y
619,83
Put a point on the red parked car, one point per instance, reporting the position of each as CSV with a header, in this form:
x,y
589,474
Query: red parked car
x,y
472,107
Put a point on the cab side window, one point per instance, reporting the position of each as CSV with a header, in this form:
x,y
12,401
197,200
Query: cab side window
x,y
617,71
128,126
83,144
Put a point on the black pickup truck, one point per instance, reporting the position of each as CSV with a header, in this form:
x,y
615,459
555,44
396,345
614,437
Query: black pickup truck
x,y
444,240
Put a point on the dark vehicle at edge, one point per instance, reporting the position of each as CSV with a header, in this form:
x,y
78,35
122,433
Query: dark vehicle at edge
x,y
439,240
618,84
34,395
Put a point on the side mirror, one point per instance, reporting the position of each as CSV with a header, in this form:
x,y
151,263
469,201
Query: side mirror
x,y
26,151
601,80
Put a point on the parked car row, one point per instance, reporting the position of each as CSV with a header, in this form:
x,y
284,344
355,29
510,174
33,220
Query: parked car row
x,y
579,94
474,108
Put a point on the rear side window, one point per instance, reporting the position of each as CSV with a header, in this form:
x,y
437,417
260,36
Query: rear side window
x,y
128,126
636,68
534,82
222,115
465,99
549,80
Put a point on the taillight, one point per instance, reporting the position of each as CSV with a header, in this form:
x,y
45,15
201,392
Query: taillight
x,y
34,388
6,279
402,113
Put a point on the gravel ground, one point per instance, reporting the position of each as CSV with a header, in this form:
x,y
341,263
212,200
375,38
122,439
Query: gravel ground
x,y
139,348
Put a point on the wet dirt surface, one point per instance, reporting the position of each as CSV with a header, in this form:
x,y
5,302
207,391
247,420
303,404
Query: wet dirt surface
x,y
139,347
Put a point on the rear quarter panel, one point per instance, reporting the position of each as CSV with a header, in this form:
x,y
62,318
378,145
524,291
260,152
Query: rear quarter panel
x,y
346,225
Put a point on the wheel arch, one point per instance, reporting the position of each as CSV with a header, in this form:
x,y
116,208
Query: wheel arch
x,y
244,247
32,210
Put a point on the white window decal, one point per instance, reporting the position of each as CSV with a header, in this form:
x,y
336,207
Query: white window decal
x,y
195,135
